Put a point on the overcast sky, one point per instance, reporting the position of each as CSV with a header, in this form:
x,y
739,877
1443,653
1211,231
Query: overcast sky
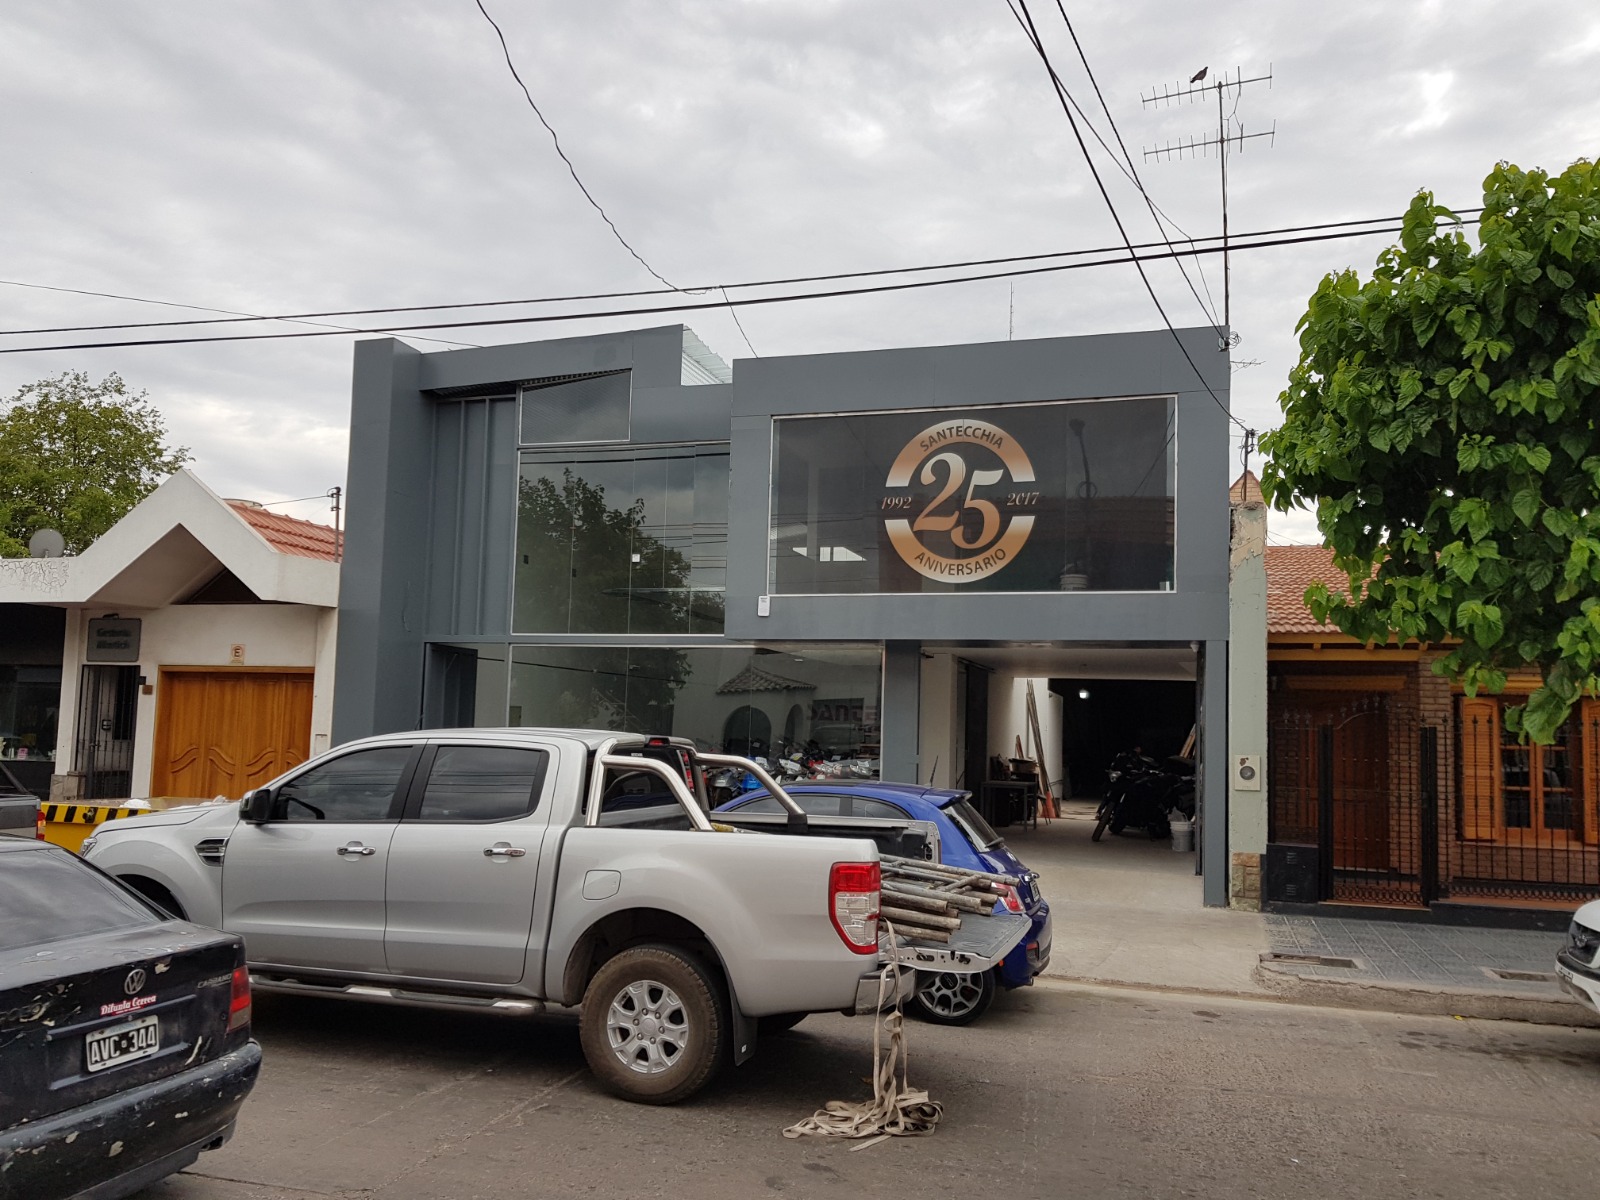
x,y
299,155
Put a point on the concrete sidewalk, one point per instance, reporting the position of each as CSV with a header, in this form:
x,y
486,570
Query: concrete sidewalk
x,y
1127,911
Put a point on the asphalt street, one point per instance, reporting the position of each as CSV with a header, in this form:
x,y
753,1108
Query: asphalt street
x,y
1061,1090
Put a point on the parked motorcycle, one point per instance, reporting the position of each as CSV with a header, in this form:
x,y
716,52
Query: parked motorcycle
x,y
1140,793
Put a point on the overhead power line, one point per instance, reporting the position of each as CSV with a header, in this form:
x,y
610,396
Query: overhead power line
x,y
1025,18
1120,258
233,318
572,170
1131,171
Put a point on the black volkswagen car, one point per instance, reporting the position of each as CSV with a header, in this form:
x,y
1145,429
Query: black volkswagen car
x,y
125,1045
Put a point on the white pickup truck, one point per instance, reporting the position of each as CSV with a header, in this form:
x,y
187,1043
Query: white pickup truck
x,y
511,869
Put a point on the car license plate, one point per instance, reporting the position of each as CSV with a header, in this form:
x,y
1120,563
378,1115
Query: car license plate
x,y
1566,974
122,1043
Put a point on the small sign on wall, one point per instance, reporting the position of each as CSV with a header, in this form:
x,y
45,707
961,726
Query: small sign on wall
x,y
236,654
113,639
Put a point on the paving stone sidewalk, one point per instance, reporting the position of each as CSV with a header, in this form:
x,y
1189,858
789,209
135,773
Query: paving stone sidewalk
x,y
1519,962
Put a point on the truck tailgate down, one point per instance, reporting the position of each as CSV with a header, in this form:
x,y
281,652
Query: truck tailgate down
x,y
980,943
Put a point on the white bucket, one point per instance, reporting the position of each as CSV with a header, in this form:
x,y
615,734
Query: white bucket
x,y
1182,836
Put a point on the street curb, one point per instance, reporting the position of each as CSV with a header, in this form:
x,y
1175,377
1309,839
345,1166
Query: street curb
x,y
1425,1000
1284,987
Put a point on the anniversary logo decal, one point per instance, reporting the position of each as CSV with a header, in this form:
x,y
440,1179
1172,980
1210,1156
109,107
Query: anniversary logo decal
x,y
967,483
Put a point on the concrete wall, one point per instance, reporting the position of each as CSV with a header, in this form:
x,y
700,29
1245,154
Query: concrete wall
x,y
1247,701
1008,719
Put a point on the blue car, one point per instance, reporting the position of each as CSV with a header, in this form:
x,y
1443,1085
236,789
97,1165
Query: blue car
x,y
965,840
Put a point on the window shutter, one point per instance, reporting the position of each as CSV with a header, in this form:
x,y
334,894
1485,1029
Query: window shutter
x,y
1480,769
1589,777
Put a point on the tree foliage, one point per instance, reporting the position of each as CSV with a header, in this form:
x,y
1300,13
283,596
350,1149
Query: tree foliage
x,y
1442,420
75,456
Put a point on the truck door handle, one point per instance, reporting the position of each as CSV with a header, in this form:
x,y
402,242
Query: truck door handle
x,y
357,848
503,850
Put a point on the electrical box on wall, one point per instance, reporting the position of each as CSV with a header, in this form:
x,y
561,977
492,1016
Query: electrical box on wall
x,y
1247,772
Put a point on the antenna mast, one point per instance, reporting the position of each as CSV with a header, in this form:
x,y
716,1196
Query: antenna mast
x,y
1191,92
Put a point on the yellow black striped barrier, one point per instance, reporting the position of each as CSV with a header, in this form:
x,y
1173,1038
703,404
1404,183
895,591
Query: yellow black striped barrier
x,y
86,814
68,824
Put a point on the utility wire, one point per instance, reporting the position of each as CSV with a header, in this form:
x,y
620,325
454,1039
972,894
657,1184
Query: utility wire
x,y
734,313
545,318
572,170
1033,36
239,318
233,315
1132,172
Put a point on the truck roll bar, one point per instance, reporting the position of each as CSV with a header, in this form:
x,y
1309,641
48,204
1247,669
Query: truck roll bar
x,y
798,822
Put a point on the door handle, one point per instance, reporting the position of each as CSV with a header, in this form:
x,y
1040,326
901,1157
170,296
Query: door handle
x,y
503,850
357,848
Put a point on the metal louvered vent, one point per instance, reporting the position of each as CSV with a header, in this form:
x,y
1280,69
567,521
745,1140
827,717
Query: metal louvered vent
x,y
211,850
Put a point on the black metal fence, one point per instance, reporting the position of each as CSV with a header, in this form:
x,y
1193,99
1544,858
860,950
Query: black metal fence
x,y
1394,812
1338,783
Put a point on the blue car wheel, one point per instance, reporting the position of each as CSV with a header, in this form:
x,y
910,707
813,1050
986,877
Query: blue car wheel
x,y
945,998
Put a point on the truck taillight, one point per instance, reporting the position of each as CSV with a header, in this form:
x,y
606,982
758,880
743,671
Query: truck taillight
x,y
38,824
853,892
239,1003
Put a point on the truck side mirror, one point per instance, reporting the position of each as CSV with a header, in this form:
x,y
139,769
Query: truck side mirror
x,y
256,806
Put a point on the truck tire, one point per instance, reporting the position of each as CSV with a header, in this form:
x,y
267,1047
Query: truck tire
x,y
654,1026
944,998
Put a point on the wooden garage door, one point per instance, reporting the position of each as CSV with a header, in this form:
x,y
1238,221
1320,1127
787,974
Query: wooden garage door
x,y
221,733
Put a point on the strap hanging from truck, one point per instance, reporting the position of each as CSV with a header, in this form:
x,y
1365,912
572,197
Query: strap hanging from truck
x,y
896,1109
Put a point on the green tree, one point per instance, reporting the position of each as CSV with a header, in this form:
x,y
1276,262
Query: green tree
x,y
1442,421
75,456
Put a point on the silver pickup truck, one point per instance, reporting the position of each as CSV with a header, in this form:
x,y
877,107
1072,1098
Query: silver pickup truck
x,y
511,869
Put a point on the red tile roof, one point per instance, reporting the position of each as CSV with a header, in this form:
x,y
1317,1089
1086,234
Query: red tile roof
x,y
1290,571
290,535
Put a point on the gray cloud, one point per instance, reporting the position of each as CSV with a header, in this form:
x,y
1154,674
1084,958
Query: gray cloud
x,y
311,155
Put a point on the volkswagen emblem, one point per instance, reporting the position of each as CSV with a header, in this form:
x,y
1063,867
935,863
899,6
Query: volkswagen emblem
x,y
134,983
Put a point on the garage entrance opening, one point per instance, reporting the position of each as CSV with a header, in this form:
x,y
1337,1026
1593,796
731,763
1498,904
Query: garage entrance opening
x,y
1105,717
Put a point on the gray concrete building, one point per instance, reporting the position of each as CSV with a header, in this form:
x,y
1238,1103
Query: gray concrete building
x,y
901,562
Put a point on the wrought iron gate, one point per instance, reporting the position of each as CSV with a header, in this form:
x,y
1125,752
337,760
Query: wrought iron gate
x,y
107,701
1343,780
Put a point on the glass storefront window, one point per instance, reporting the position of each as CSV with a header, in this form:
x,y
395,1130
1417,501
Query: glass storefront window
x,y
630,540
30,704
820,701
1065,496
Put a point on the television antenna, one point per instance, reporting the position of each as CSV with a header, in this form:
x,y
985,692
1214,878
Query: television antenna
x,y
1230,133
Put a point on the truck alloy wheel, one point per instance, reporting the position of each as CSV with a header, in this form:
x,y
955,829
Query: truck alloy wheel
x,y
653,1027
946,998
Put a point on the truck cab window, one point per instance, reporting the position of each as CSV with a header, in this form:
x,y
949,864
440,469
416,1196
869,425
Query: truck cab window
x,y
482,783
353,787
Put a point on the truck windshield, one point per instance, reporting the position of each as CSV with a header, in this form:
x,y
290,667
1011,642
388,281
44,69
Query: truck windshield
x,y
971,823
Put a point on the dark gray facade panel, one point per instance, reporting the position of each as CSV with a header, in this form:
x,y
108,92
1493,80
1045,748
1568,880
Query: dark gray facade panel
x,y
1114,364
382,599
996,373
472,524
527,360
697,413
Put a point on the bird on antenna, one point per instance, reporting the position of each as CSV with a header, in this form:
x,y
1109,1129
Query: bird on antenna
x,y
1199,75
